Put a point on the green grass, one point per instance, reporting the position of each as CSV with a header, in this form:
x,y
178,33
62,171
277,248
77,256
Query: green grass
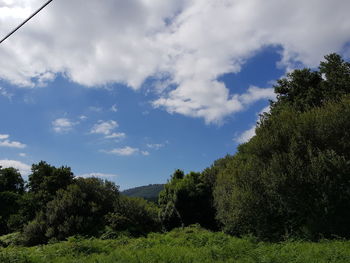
x,y
186,245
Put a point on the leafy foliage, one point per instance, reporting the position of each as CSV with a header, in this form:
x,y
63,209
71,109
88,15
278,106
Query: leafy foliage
x,y
11,181
180,245
79,209
45,180
134,215
11,189
186,200
292,178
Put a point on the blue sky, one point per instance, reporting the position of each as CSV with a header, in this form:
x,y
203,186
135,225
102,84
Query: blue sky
x,y
132,91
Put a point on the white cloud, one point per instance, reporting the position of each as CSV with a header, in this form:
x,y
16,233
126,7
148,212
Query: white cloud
x,y
104,127
83,117
191,42
100,175
4,136
254,94
5,142
127,151
114,108
250,133
155,146
212,105
63,125
23,168
22,154
116,135
12,144
246,135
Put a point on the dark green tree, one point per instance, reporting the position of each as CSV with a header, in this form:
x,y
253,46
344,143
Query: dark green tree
x,y
134,215
44,182
292,178
11,191
187,200
11,180
305,89
79,209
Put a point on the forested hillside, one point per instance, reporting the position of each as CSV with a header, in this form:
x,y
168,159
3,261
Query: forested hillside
x,y
291,180
149,192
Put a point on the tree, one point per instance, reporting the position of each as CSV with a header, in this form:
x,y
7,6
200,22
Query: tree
x,y
11,180
44,182
336,75
134,215
305,89
9,206
292,178
186,200
11,190
48,179
79,209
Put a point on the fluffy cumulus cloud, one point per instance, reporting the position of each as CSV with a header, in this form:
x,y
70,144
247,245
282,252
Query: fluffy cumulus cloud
x,y
23,168
6,142
104,127
186,45
63,125
127,151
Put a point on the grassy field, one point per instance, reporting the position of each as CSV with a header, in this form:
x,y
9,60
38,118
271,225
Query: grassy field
x,y
180,245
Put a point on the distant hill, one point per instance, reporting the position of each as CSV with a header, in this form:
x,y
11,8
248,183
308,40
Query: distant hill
x,y
149,192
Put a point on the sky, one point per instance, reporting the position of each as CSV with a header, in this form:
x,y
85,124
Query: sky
x,y
131,90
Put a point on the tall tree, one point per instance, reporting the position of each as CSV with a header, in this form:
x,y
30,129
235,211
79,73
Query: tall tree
x,y
11,180
11,191
292,178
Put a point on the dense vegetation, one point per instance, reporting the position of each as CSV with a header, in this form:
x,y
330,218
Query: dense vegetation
x,y
149,192
182,246
55,205
291,180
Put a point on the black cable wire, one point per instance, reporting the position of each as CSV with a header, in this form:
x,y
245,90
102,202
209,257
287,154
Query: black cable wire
x,y
25,21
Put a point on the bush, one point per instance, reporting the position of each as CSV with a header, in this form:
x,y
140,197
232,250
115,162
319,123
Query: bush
x,y
134,215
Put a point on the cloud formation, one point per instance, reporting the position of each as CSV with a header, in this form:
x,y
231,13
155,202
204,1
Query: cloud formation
x,y
63,125
127,151
116,135
185,45
104,127
6,142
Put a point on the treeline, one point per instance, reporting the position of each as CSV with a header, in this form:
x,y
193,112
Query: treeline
x,y
54,205
292,179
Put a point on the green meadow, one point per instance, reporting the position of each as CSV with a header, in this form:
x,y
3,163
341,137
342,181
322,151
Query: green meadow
x,y
191,244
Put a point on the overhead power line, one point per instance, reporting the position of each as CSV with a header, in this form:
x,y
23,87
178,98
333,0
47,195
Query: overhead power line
x,y
25,21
